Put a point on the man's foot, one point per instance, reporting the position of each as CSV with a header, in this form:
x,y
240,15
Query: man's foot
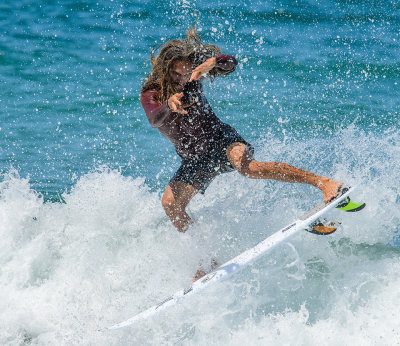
x,y
200,272
329,188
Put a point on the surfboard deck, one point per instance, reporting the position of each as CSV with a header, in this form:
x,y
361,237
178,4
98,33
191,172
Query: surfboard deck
x,y
240,261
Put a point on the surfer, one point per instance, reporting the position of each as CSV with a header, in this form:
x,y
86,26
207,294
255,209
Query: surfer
x,y
174,102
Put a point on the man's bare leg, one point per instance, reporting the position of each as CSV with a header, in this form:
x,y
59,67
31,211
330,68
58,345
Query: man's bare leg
x,y
176,197
243,162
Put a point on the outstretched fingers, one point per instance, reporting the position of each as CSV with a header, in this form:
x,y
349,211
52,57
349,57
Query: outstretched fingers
x,y
175,104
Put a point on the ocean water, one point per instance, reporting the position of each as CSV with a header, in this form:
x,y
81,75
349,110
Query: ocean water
x,y
84,240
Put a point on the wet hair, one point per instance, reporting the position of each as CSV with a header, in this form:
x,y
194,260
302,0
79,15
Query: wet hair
x,y
191,49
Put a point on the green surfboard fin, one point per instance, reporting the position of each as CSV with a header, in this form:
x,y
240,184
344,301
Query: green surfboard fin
x,y
350,206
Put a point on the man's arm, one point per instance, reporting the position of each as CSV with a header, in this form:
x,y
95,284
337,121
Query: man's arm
x,y
156,113
222,64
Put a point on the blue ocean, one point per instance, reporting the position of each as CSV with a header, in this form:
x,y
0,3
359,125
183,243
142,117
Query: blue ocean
x,y
85,242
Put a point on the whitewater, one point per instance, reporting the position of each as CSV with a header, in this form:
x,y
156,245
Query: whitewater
x,y
108,252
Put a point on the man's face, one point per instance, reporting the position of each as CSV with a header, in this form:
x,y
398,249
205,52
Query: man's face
x,y
180,73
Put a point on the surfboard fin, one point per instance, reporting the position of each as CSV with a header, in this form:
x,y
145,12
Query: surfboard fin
x,y
320,228
348,205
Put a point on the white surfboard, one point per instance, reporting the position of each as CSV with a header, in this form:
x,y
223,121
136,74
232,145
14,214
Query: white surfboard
x,y
239,261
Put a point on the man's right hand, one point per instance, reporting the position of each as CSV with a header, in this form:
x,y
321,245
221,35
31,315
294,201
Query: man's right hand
x,y
175,104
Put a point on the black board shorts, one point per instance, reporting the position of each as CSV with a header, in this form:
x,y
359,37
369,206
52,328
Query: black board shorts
x,y
201,171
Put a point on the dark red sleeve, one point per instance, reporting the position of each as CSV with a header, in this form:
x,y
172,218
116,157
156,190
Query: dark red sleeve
x,y
156,113
225,62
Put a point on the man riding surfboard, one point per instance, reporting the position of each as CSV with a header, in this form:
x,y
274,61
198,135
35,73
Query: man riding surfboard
x,y
174,102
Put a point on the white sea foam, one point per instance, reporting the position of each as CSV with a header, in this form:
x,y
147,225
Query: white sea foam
x,y
108,252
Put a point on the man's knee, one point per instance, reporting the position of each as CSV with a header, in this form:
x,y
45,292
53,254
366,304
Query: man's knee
x,y
240,166
249,167
240,158
171,203
168,200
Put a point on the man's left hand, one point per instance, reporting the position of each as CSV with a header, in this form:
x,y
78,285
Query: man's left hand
x,y
202,69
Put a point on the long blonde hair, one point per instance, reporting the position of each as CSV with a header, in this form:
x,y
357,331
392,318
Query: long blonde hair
x,y
190,50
